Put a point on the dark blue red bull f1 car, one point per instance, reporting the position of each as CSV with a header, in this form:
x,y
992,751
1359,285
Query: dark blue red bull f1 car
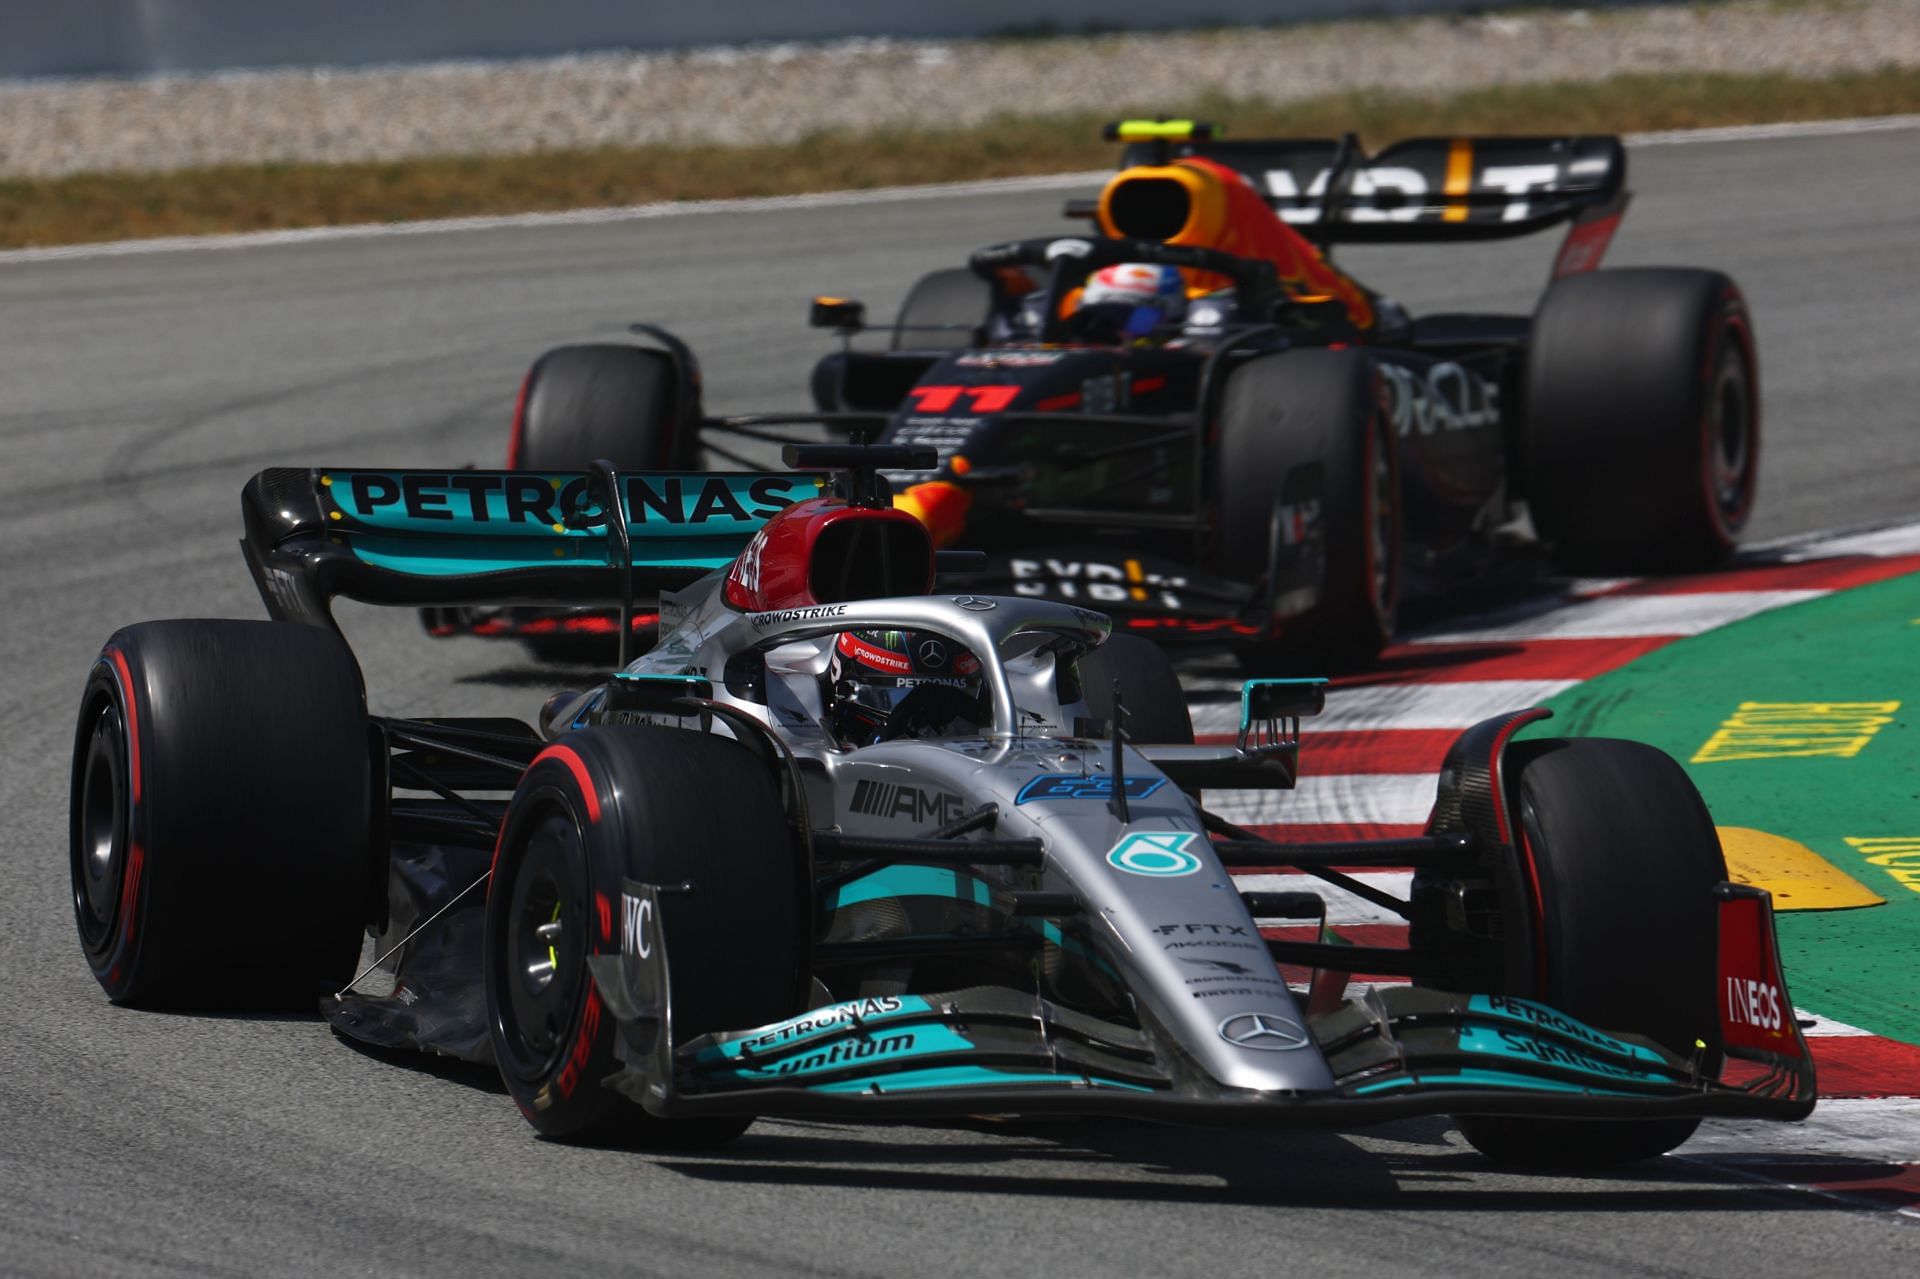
x,y
1251,446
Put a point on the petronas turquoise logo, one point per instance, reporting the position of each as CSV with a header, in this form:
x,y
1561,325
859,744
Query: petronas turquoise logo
x,y
1159,854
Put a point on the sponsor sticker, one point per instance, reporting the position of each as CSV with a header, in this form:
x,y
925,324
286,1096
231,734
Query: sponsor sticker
x,y
1157,854
1202,930
1085,786
636,924
819,613
522,502
905,803
1128,582
1010,359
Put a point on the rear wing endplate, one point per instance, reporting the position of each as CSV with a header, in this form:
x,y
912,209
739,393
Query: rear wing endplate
x,y
415,538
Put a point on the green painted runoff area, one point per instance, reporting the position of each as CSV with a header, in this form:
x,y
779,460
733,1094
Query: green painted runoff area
x,y
1840,652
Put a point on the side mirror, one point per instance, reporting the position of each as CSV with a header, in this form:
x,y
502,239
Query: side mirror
x,y
1313,311
843,314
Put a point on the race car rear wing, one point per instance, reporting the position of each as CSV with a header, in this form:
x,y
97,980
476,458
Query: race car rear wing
x,y
417,538
1418,190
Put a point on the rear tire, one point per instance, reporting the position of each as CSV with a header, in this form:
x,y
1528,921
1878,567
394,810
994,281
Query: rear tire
x,y
583,403
1150,690
1304,407
943,312
1642,440
221,808
657,805
1626,859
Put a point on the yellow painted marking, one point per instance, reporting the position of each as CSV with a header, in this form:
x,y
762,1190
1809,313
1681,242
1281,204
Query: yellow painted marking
x,y
1796,730
559,528
1897,855
1459,178
1135,575
1798,877
333,515
326,481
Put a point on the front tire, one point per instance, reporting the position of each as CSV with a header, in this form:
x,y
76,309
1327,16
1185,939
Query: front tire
x,y
221,808
656,805
1625,859
1156,705
943,312
1306,407
583,403
1642,441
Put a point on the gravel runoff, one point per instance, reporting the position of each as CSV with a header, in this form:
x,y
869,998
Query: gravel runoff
x,y
777,94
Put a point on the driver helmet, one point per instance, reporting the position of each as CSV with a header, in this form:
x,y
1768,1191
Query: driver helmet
x,y
899,683
1128,301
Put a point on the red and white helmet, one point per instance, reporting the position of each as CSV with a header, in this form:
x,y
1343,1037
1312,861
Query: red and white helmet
x,y
1130,300
1138,283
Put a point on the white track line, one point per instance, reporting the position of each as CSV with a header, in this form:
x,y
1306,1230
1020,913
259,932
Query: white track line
x,y
1396,799
572,217
1342,906
1769,132
1902,539
1620,617
819,200
1850,1127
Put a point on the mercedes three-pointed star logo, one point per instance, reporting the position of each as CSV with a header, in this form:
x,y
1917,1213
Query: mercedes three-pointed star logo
x,y
973,603
1268,1032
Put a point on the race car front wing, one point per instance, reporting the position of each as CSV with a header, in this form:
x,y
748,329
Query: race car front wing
x,y
1394,1052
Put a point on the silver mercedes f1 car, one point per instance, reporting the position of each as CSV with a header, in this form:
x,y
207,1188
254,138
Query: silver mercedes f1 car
x,y
846,845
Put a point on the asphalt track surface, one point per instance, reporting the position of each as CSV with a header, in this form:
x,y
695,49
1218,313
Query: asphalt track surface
x,y
138,393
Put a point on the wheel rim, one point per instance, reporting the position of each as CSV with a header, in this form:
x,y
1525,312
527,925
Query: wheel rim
x,y
1729,444
99,854
542,966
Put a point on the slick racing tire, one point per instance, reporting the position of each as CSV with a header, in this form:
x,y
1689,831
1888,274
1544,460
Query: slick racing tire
x,y
1625,859
1150,690
660,806
221,808
943,312
1305,408
1642,438
582,403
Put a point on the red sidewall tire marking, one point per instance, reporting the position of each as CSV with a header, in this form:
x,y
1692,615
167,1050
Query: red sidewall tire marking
x,y
134,869
125,675
566,756
519,428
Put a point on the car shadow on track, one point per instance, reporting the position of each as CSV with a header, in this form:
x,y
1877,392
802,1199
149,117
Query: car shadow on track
x,y
1147,1163
481,1076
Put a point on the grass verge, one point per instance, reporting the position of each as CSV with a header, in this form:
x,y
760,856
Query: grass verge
x,y
113,206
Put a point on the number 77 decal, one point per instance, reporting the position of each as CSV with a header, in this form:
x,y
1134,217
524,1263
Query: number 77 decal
x,y
941,399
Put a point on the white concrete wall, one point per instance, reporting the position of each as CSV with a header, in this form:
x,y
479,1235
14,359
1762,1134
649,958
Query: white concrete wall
x,y
139,37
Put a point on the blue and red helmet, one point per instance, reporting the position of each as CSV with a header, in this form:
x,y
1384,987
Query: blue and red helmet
x,y
1129,300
